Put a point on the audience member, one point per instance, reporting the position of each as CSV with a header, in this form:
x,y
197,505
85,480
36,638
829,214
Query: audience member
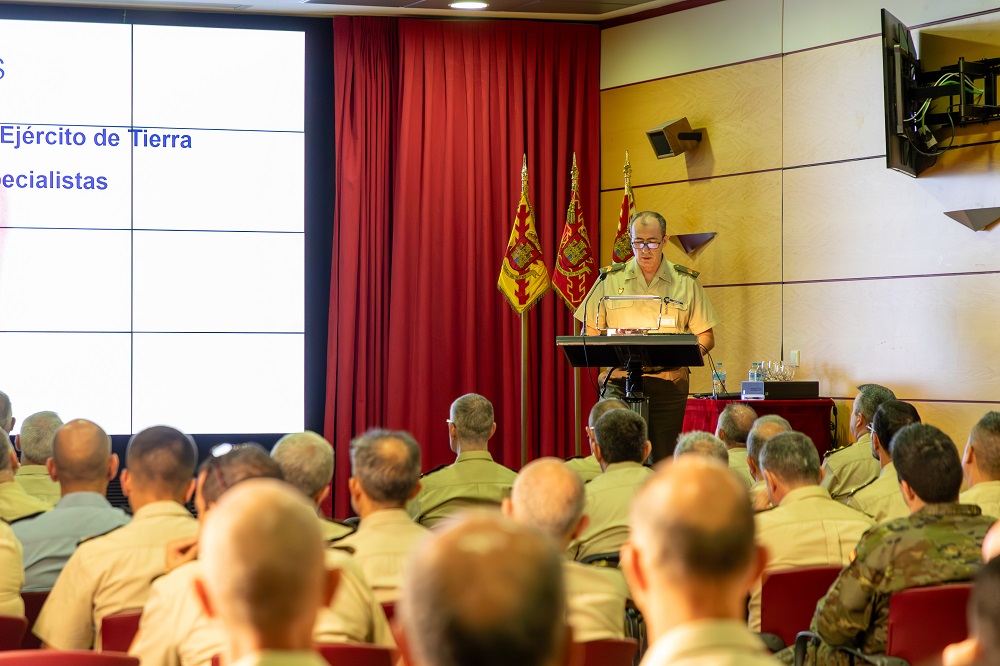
x,y
385,468
35,443
939,542
981,465
851,466
113,572
806,528
473,479
983,645
7,419
621,447
764,428
881,498
735,422
306,461
550,498
587,467
264,575
83,465
991,544
15,504
484,591
690,563
699,442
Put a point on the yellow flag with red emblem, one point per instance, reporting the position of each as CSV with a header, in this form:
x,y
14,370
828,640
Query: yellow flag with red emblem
x,y
623,239
575,264
523,277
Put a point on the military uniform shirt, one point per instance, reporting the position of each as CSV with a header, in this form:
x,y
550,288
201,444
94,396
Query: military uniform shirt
x,y
16,504
355,616
881,499
472,480
50,538
36,482
11,573
807,529
609,498
850,467
985,495
595,601
588,468
111,573
382,546
331,529
282,658
738,463
708,643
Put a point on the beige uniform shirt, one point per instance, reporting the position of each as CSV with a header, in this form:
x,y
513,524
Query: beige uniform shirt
x,y
111,573
474,480
708,643
595,601
985,495
738,463
282,658
11,572
588,468
15,503
355,616
382,546
849,468
808,529
881,499
609,498
333,530
36,482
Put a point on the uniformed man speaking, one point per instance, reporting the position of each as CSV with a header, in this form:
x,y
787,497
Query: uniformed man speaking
x,y
687,311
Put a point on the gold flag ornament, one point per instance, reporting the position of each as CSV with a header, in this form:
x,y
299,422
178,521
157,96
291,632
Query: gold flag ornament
x,y
575,264
523,277
623,240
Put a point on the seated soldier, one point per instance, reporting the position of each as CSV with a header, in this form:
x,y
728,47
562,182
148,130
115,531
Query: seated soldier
x,y
881,498
852,466
35,443
981,464
735,422
587,467
764,428
15,503
701,443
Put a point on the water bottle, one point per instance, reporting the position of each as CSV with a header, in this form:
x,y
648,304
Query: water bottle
x,y
754,375
719,379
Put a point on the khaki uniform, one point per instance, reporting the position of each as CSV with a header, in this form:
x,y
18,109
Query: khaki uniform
x,y
111,573
355,616
382,547
738,463
850,467
881,499
36,482
808,529
331,529
708,643
595,601
282,658
985,495
474,480
15,503
588,468
759,499
11,573
609,499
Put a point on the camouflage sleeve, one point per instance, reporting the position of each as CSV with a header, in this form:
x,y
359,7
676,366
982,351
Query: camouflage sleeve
x,y
844,615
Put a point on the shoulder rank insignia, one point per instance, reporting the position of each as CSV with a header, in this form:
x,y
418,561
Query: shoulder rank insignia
x,y
613,268
684,270
436,469
854,491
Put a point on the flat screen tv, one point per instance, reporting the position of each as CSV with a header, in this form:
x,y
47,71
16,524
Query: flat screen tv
x,y
901,71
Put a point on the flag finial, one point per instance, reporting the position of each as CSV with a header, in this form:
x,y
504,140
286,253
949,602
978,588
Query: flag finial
x,y
574,174
524,174
627,170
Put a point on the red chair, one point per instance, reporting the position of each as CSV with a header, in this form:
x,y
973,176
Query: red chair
x,y
12,628
924,620
609,652
788,601
65,658
389,608
356,654
119,629
33,602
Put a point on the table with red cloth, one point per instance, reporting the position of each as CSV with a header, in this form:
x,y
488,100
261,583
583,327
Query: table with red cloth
x,y
812,417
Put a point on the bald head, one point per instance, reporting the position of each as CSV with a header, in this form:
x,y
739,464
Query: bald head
x,y
386,463
306,461
549,496
735,423
764,429
602,407
81,455
485,591
701,443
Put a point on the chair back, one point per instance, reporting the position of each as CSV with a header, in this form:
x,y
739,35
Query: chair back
x,y
389,608
119,629
609,652
356,654
65,658
788,600
924,620
12,629
33,602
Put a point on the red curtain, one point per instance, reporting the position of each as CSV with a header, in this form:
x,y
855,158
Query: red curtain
x,y
473,97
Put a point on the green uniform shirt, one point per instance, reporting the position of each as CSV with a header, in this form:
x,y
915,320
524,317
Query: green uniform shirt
x,y
738,463
985,495
881,499
36,482
472,480
588,468
16,504
609,499
851,467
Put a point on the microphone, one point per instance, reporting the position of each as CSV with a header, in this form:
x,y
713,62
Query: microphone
x,y
601,275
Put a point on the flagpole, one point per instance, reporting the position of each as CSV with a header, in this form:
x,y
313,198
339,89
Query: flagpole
x,y
524,390
577,406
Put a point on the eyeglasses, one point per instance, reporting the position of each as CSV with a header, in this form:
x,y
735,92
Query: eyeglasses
x,y
870,428
648,244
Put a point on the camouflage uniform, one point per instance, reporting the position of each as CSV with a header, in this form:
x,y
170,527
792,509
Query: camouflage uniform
x,y
941,543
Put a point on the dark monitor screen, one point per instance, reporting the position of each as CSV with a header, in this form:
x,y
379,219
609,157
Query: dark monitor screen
x,y
900,70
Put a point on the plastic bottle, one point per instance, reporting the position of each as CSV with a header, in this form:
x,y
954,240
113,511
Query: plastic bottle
x,y
719,379
754,372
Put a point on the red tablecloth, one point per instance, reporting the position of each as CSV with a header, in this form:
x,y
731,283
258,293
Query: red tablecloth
x,y
812,417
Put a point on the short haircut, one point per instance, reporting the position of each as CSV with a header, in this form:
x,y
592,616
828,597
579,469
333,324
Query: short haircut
x,y
985,439
239,463
161,458
649,215
870,397
984,610
548,495
602,407
387,464
37,433
764,428
85,456
927,459
472,415
6,410
306,461
621,434
792,457
736,420
5,449
699,442
890,417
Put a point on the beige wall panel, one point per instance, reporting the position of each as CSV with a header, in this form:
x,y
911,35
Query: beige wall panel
x,y
927,338
859,219
954,418
745,211
693,39
740,106
833,103
750,330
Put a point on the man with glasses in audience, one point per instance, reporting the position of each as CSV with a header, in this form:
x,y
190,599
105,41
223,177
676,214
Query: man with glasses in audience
x,y
686,310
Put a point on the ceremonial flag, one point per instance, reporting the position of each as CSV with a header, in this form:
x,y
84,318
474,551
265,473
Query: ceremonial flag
x,y
623,241
575,264
523,276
